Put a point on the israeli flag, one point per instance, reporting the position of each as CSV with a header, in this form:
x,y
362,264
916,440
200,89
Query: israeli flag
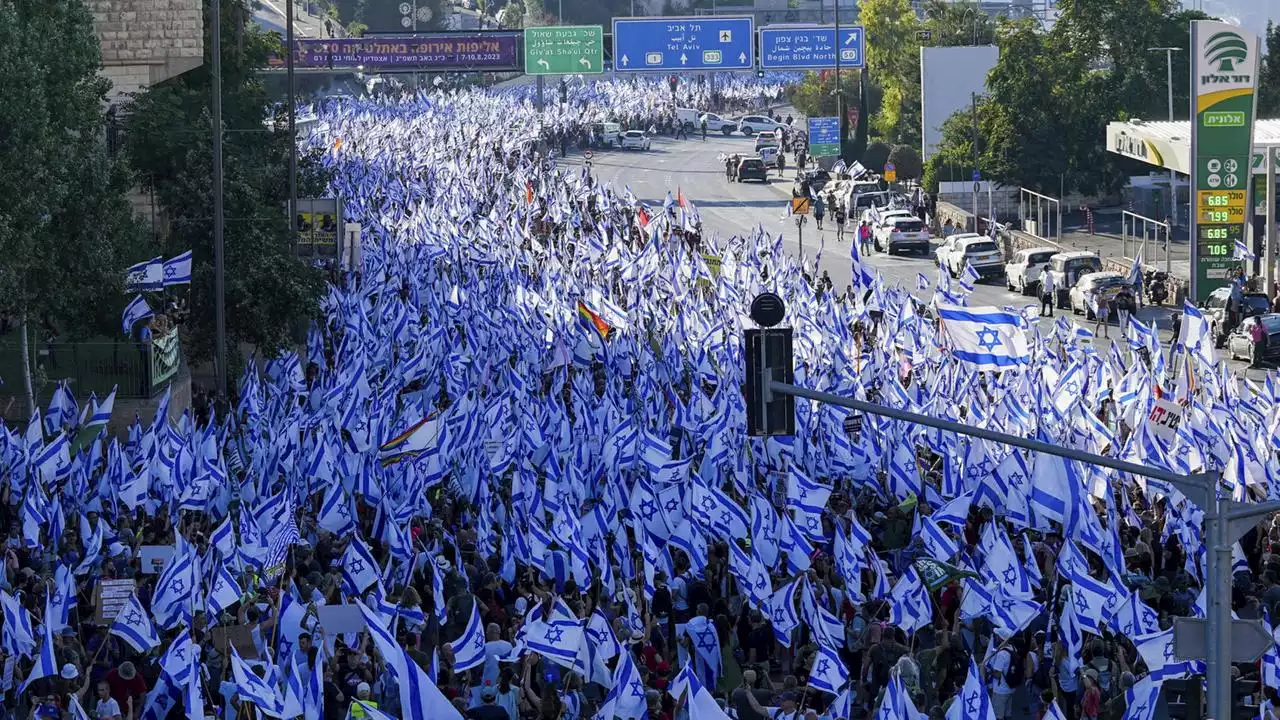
x,y
19,639
46,665
177,270
468,650
359,570
1241,251
134,313
147,275
985,337
828,673
974,703
133,625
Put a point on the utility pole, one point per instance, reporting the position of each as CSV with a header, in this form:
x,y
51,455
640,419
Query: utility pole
x,y
1173,176
974,98
219,252
292,101
839,99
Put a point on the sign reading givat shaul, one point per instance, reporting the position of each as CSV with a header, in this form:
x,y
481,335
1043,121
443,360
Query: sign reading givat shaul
x,y
1224,83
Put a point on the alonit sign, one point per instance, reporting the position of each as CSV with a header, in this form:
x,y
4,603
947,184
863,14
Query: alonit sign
x,y
1224,83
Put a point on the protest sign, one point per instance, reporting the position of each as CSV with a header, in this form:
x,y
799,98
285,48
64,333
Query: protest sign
x,y
110,597
154,557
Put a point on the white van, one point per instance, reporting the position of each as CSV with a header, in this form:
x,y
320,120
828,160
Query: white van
x,y
688,118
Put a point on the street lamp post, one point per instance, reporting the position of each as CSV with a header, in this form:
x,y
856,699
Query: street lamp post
x,y
1173,189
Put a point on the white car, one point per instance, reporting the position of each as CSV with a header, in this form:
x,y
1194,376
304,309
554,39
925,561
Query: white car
x,y
977,251
715,123
769,154
1084,293
1067,268
752,124
1022,273
902,233
635,140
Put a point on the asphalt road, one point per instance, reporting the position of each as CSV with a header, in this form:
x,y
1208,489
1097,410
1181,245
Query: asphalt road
x,y
739,208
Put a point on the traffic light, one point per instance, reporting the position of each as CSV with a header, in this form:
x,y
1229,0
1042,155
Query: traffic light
x,y
564,93
760,74
675,82
769,356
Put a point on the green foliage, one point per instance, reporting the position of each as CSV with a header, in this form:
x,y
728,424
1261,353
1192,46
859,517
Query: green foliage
x,y
875,156
67,231
1052,94
170,144
1269,82
906,160
815,95
855,149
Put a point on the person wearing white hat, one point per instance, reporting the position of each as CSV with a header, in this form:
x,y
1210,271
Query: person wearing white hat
x,y
362,700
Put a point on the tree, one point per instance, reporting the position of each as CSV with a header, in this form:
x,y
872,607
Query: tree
x,y
1269,81
875,157
67,231
815,95
267,288
893,61
906,161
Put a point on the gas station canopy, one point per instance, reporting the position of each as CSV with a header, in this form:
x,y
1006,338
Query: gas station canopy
x,y
1167,144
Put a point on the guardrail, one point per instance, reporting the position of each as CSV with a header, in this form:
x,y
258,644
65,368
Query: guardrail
x,y
135,369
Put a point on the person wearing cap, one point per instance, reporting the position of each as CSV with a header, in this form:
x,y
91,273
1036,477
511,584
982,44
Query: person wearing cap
x,y
362,701
488,708
126,684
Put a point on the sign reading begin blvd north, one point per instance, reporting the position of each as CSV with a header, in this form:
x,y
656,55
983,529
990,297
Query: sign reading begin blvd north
x,y
683,43
812,47
564,50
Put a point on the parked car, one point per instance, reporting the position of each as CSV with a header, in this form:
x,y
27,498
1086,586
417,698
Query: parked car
x,y
1215,311
1256,339
715,123
767,139
1022,272
635,140
752,124
752,168
978,251
1091,286
902,233
1067,268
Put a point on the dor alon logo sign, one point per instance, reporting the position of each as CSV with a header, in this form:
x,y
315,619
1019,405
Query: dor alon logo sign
x,y
1226,49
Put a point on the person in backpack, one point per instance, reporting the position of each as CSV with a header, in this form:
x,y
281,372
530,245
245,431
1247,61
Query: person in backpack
x,y
1003,675
819,210
840,219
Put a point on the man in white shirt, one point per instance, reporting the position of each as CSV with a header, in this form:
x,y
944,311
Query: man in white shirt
x,y
1001,693
1047,291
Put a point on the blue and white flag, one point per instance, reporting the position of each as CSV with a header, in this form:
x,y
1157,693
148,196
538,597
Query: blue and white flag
x,y
973,703
828,672
468,649
1241,251
985,338
626,698
911,608
556,638
133,625
135,312
224,592
359,569
19,637
699,702
254,689
46,664
177,269
147,275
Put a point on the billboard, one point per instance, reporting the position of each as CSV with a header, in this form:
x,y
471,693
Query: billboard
x,y
949,77
1224,82
489,51
317,224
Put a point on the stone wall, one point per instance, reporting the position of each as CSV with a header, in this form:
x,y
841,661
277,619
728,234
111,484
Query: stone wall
x,y
147,41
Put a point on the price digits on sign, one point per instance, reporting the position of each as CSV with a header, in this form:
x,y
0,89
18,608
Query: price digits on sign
x,y
1217,241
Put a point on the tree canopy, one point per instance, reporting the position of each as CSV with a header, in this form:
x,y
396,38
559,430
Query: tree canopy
x,y
169,142
67,231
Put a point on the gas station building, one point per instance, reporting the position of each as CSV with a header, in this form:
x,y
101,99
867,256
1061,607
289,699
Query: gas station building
x,y
1166,145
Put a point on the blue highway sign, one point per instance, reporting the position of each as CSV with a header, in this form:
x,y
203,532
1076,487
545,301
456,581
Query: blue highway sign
x,y
824,136
811,46
683,43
